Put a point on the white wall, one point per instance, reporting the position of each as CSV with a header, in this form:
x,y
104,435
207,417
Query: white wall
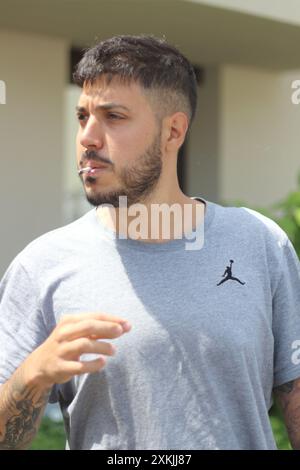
x,y
260,139
34,69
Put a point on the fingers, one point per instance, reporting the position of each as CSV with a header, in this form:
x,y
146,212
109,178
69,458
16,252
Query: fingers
x,y
74,349
72,318
76,335
96,329
81,367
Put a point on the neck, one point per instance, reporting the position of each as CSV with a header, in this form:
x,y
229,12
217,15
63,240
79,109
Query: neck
x,y
160,218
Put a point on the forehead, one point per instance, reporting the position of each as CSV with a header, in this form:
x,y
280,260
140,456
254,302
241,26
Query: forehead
x,y
101,92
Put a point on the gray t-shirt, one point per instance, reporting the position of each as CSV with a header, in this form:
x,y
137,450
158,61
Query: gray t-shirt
x,y
197,369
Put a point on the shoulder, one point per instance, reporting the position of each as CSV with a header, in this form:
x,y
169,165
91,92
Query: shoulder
x,y
56,244
251,224
268,226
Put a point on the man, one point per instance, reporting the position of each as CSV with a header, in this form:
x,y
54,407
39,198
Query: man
x,y
181,362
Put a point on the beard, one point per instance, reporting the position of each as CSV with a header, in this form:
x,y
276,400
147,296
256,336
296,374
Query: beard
x,y
136,182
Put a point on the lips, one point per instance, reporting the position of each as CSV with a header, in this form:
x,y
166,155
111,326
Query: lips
x,y
95,164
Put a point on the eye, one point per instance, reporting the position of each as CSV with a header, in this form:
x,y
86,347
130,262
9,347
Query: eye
x,y
81,116
114,116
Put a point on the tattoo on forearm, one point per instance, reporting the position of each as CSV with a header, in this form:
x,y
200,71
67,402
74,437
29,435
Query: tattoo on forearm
x,y
21,427
24,408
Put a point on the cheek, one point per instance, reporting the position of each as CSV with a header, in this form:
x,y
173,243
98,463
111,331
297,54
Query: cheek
x,y
122,148
130,144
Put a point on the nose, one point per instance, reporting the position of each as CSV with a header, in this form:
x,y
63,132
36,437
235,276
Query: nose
x,y
91,135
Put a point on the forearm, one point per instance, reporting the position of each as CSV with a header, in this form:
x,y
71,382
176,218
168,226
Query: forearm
x,y
22,403
288,396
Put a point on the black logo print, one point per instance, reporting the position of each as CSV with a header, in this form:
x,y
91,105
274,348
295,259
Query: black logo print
x,y
229,276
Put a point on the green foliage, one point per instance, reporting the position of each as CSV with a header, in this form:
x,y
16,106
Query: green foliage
x,y
51,436
279,429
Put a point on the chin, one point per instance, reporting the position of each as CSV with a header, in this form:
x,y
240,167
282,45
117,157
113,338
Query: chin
x,y
110,198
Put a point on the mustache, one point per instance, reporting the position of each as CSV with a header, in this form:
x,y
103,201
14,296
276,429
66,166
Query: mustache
x,y
93,155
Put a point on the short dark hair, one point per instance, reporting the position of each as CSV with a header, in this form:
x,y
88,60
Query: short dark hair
x,y
151,62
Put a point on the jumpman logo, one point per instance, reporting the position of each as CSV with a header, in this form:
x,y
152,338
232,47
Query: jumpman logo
x,y
228,274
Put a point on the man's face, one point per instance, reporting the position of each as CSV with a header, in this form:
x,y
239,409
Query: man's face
x,y
118,127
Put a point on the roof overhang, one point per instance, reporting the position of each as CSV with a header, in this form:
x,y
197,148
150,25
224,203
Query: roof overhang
x,y
207,32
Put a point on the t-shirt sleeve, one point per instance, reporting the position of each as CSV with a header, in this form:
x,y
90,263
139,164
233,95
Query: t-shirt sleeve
x,y
286,318
22,325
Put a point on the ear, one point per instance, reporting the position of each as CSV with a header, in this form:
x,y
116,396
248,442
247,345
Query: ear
x,y
174,131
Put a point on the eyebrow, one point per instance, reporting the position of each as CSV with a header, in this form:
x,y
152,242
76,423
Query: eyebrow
x,y
82,109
